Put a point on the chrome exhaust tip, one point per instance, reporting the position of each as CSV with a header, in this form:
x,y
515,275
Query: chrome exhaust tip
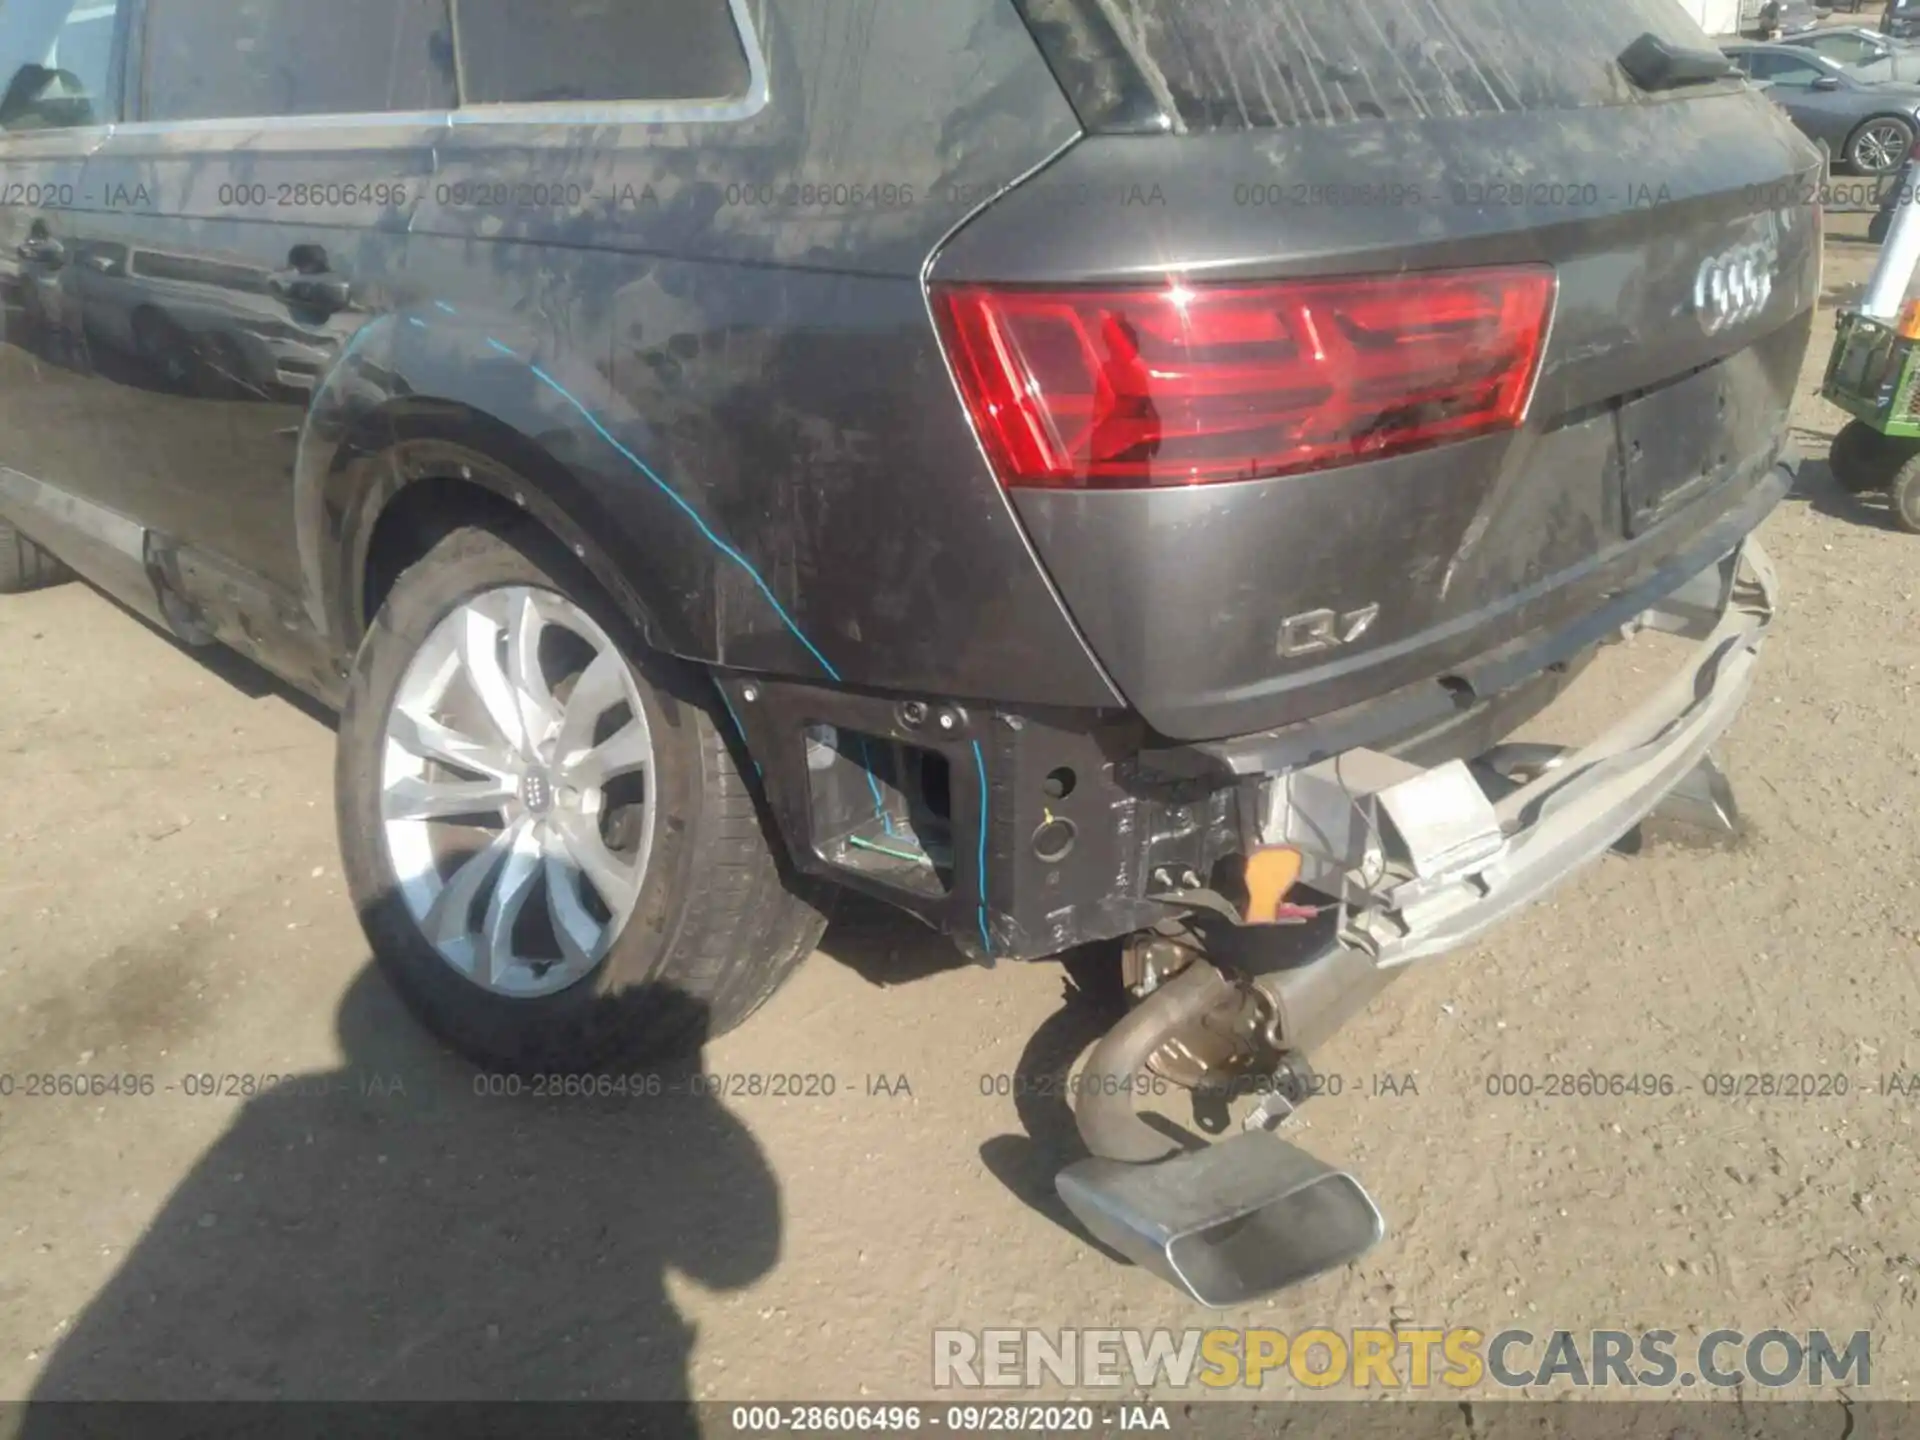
x,y
1228,1223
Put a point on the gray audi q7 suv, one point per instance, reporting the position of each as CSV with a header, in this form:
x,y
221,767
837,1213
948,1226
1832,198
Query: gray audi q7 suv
x,y
1076,470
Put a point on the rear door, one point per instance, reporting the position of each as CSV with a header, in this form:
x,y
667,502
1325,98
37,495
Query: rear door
x,y
59,63
266,177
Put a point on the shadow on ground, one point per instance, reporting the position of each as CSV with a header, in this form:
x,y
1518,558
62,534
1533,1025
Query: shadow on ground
x,y
886,947
401,1228
1821,493
406,1227
1091,1003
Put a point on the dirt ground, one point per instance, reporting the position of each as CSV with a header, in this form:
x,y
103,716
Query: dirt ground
x,y
171,906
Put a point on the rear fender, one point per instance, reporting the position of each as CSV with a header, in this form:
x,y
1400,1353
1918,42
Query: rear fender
x,y
423,397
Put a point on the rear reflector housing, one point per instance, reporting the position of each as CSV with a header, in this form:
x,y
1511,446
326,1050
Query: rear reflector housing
x,y
1189,384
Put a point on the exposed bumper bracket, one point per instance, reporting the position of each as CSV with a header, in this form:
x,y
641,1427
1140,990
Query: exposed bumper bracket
x,y
1425,860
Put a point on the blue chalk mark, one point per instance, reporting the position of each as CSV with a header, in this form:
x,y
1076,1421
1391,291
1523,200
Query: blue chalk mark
x,y
692,514
675,496
873,785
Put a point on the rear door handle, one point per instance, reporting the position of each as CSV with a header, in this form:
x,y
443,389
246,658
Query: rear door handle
x,y
313,291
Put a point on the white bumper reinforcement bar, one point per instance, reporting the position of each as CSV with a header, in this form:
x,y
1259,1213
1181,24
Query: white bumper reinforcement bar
x,y
1424,860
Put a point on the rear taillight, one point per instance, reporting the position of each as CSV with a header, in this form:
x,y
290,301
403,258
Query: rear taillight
x,y
1186,384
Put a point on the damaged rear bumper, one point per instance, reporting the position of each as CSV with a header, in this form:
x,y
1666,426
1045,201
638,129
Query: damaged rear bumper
x,y
1424,860
1022,833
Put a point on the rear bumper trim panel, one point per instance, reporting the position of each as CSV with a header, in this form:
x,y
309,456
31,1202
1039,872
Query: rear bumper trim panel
x,y
1567,816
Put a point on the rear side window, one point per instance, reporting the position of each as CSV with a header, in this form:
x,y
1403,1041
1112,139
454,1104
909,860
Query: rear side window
x,y
56,64
1787,70
1258,64
1847,49
211,59
513,52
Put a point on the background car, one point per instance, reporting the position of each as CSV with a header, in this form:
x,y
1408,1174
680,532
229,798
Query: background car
x,y
1880,57
1901,19
1868,124
1788,17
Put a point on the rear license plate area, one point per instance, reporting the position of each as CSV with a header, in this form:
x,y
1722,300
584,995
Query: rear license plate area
x,y
1679,441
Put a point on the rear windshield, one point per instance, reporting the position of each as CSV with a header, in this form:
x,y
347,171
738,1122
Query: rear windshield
x,y
1247,64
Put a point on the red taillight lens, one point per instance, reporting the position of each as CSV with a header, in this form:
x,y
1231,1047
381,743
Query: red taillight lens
x,y
1183,384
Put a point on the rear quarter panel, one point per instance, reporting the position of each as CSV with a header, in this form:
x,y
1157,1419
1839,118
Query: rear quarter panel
x,y
731,358
700,340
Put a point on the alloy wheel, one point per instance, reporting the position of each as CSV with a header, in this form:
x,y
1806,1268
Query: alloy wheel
x,y
516,791
1881,146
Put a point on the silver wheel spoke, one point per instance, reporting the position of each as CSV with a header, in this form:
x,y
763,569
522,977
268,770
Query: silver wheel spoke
x,y
578,932
494,952
427,738
601,686
617,880
450,917
627,750
479,654
412,798
539,712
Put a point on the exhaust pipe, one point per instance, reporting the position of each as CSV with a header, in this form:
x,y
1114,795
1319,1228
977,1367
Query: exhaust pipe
x,y
1312,1001
1230,1221
1227,1223
1103,1107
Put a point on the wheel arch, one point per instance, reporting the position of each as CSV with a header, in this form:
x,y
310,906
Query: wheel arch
x,y
447,465
391,457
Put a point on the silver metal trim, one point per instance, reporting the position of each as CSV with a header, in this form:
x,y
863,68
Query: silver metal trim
x,y
54,145
1575,810
1562,819
258,125
758,96
29,498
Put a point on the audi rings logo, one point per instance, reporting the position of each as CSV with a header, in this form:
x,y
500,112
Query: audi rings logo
x,y
1734,286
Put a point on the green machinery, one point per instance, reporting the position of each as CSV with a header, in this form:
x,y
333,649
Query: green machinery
x,y
1874,375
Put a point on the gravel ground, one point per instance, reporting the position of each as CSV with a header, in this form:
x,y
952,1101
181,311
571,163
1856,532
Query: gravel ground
x,y
172,907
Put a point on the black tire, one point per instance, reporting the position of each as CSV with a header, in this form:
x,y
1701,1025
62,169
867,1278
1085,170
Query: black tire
x,y
718,925
1862,459
1904,496
1891,156
25,566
